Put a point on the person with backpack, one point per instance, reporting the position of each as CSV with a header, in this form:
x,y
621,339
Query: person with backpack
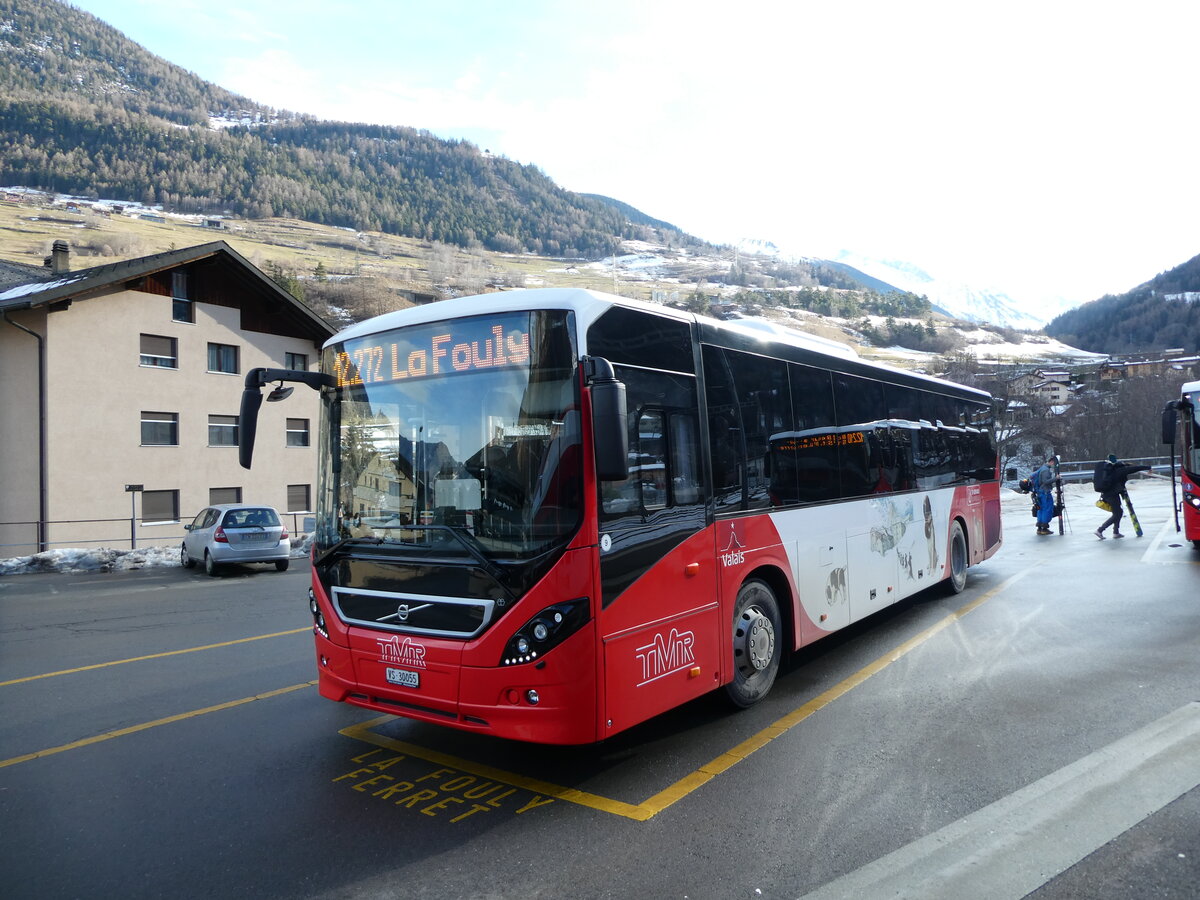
x,y
1043,481
1109,479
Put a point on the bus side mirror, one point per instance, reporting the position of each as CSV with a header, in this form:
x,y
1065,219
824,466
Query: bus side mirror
x,y
252,400
610,427
1169,415
248,419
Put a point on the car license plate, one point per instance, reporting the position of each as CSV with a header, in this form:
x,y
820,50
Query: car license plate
x,y
254,537
404,677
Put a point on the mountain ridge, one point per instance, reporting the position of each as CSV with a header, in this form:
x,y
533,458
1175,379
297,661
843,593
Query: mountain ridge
x,y
89,112
1160,313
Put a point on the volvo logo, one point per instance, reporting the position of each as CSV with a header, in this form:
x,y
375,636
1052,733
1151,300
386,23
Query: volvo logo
x,y
403,611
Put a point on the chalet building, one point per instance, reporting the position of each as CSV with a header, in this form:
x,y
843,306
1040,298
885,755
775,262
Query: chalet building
x,y
122,387
1053,388
1117,370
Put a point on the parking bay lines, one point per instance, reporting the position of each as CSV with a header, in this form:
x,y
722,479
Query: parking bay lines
x,y
121,662
650,807
133,729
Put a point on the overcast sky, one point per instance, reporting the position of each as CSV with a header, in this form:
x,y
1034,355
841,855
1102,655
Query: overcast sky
x,y
1047,149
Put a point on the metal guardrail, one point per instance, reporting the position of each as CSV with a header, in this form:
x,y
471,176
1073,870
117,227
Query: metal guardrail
x,y
133,531
1082,469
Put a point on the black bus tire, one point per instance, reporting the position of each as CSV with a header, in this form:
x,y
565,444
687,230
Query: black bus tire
x,y
757,644
957,581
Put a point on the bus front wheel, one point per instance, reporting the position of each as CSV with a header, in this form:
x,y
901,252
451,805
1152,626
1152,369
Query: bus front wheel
x,y
958,558
757,631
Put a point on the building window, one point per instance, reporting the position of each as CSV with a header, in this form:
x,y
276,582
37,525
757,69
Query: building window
x,y
222,431
297,432
160,429
296,361
181,302
224,495
223,358
159,352
160,506
298,498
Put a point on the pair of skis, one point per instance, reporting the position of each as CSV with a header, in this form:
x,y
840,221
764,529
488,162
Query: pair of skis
x,y
1060,506
1137,526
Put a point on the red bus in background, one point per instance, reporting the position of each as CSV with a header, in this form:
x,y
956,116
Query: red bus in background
x,y
1184,412
549,515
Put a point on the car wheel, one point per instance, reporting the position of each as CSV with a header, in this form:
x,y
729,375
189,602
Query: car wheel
x,y
210,566
757,643
184,560
281,565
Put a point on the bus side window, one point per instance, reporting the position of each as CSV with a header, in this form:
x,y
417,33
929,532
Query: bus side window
x,y
684,444
651,461
665,468
726,445
814,453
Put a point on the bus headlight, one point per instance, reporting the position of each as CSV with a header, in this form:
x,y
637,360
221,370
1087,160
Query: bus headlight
x,y
545,631
1191,499
318,617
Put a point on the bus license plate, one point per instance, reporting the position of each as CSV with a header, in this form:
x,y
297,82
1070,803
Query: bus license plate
x,y
404,678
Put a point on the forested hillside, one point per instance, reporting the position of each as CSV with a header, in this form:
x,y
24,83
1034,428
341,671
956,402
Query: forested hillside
x,y
85,111
1163,312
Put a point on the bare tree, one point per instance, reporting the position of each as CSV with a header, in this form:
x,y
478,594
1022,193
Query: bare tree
x,y
1124,420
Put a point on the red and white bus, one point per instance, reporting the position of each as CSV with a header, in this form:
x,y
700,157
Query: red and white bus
x,y
1184,413
550,515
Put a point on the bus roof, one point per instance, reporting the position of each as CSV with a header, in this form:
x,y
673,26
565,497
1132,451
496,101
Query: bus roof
x,y
589,305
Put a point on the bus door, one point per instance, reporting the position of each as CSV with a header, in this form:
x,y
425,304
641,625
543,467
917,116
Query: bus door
x,y
659,623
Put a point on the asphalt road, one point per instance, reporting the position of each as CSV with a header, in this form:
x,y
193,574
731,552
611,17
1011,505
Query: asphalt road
x,y
1037,735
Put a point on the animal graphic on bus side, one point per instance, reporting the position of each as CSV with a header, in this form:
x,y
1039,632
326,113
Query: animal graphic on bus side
x,y
835,587
931,536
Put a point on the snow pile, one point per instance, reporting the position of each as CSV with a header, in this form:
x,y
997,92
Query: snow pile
x,y
106,559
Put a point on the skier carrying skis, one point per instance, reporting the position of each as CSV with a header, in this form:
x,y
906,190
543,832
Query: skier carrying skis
x,y
1110,480
1043,484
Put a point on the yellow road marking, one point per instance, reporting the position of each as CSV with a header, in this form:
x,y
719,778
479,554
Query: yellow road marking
x,y
133,729
121,662
363,732
652,806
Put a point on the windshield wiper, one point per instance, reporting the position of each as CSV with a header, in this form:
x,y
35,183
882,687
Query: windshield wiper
x,y
460,532
468,540
345,541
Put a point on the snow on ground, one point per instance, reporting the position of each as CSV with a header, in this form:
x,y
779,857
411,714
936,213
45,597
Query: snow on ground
x,y
106,559
1080,502
985,344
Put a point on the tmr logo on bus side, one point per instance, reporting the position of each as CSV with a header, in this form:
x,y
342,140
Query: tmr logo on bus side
x,y
405,653
665,655
735,553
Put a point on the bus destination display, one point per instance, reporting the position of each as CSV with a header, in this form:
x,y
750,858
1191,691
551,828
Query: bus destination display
x,y
823,439
441,349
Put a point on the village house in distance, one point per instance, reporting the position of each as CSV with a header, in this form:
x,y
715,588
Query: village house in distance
x,y
122,387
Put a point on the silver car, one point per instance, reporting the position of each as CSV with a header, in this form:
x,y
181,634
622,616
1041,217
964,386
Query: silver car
x,y
235,533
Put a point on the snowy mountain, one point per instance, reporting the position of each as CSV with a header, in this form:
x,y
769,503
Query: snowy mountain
x,y
757,246
961,301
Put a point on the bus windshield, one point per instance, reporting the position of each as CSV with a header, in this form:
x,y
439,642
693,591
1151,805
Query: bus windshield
x,y
461,436
1191,434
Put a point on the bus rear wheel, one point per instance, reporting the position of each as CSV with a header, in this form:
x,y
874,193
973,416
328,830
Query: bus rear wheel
x,y
757,630
958,558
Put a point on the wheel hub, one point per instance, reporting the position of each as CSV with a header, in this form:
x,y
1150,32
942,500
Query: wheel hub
x,y
757,638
